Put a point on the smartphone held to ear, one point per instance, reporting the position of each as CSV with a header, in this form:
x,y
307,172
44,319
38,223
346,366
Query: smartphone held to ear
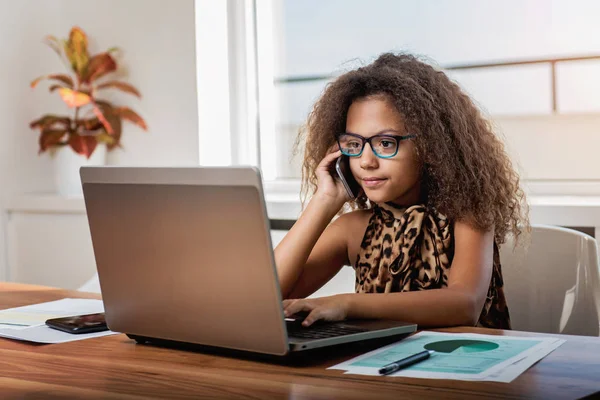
x,y
342,169
79,324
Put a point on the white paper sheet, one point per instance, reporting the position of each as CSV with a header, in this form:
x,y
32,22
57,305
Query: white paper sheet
x,y
44,334
37,314
28,323
516,369
505,359
12,326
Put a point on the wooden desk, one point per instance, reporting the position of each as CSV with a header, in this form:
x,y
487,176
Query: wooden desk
x,y
115,367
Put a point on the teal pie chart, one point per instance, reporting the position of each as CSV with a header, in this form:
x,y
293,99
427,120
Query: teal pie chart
x,y
465,345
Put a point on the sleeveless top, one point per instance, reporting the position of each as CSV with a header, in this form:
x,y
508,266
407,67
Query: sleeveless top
x,y
407,249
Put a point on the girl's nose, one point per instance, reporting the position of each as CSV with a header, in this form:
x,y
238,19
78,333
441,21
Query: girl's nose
x,y
368,159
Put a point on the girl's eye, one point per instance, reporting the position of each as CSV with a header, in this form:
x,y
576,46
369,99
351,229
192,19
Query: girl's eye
x,y
387,143
354,145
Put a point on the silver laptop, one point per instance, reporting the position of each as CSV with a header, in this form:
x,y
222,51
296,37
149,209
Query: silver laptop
x,y
185,255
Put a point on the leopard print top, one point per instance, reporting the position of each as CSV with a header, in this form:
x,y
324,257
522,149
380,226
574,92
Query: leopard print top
x,y
407,249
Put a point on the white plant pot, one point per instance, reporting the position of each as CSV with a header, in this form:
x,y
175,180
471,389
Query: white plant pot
x,y
66,169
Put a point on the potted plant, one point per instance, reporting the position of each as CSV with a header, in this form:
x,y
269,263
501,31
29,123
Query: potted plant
x,y
95,125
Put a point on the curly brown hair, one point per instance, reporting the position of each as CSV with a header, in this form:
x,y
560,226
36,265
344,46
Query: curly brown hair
x,y
467,174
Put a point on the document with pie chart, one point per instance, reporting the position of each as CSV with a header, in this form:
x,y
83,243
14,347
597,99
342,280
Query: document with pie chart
x,y
458,356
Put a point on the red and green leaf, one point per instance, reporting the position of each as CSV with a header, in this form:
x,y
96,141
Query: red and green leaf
x,y
76,50
130,115
100,113
84,145
93,127
78,40
54,87
109,140
89,124
54,44
114,120
125,87
99,65
74,98
66,79
51,137
50,121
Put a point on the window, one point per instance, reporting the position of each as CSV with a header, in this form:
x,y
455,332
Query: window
x,y
282,53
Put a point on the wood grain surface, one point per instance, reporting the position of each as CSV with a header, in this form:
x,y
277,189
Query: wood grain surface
x,y
116,367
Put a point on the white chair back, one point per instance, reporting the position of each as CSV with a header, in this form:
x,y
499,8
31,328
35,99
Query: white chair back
x,y
553,285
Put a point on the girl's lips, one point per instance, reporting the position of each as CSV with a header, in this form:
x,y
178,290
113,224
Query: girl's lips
x,y
373,182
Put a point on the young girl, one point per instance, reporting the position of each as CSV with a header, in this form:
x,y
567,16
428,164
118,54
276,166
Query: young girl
x,y
439,195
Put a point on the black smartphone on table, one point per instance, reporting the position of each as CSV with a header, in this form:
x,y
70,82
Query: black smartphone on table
x,y
79,324
342,169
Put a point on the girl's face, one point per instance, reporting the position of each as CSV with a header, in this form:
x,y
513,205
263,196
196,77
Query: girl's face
x,y
395,179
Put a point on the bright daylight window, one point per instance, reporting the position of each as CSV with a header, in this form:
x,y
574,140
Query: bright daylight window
x,y
282,53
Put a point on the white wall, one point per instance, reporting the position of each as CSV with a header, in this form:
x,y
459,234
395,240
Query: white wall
x,y
157,39
342,282
555,148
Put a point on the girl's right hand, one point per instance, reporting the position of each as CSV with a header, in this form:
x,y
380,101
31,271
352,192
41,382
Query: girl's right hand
x,y
330,189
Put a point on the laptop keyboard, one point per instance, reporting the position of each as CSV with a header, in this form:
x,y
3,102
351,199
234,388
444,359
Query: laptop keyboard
x,y
320,331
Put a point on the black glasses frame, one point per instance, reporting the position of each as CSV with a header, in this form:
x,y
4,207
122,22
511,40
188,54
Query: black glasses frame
x,y
364,140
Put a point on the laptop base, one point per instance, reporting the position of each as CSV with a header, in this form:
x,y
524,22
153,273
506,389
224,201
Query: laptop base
x,y
297,358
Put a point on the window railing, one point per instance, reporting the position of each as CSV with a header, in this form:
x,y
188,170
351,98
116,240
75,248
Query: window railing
x,y
512,63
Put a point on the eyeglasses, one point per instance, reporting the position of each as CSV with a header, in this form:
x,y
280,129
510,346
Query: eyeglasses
x,y
383,146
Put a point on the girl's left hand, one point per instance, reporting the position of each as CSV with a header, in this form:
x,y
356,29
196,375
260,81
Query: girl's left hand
x,y
331,308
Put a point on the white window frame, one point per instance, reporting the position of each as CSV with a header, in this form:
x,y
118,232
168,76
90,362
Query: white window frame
x,y
243,87
212,66
252,56
233,83
226,83
235,51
